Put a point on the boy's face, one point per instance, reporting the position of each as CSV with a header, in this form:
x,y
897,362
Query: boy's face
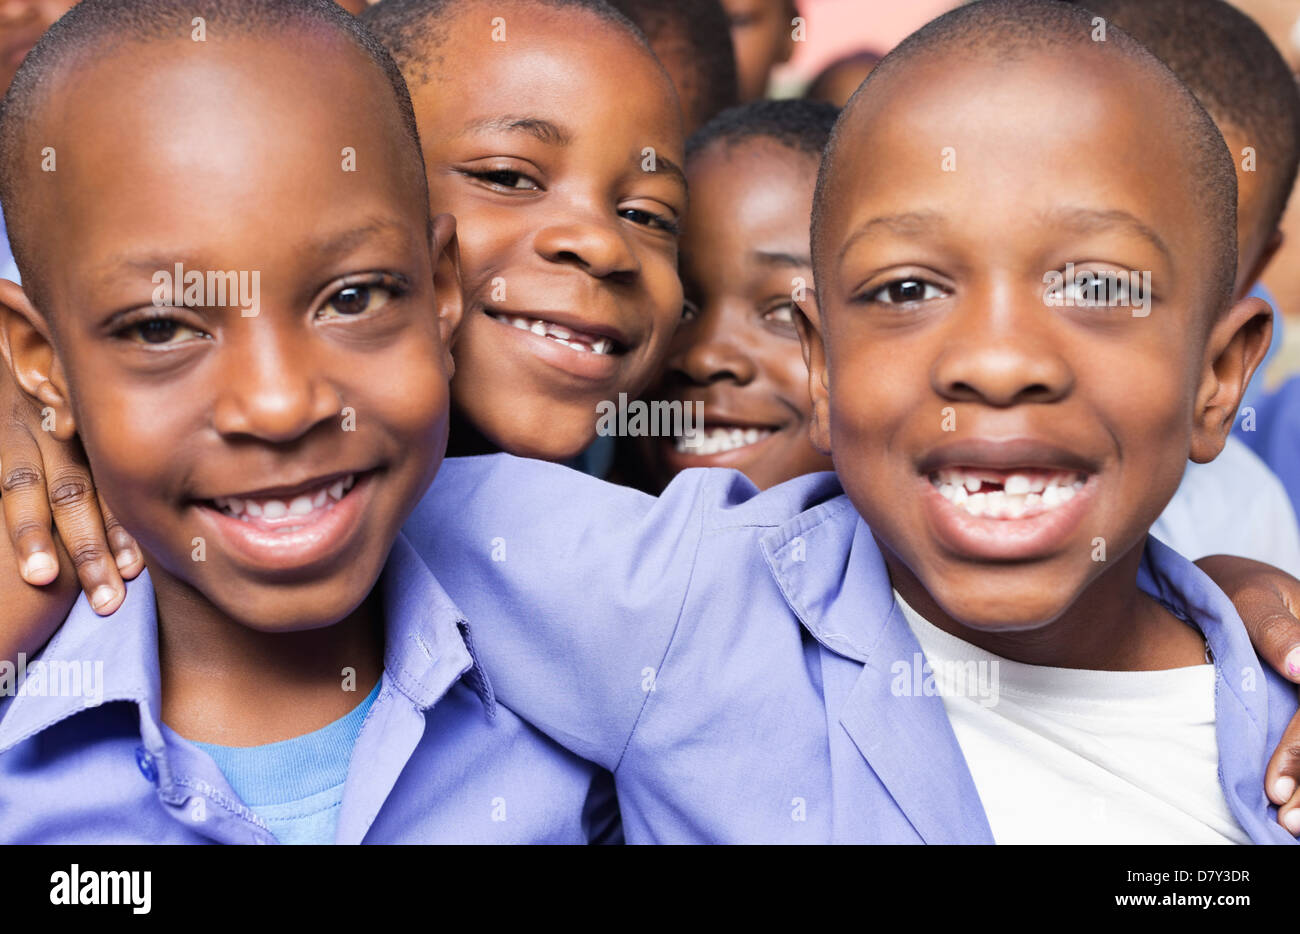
x,y
762,37
264,462
540,145
22,22
949,375
744,251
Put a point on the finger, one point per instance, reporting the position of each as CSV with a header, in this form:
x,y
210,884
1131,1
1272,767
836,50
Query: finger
x,y
126,553
26,507
75,505
1288,815
1274,630
1282,777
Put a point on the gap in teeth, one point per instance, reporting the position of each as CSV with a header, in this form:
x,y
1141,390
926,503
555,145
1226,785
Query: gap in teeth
x,y
300,505
1006,495
559,334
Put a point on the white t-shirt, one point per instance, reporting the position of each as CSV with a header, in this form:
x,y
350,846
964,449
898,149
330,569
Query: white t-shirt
x,y
1062,755
1234,505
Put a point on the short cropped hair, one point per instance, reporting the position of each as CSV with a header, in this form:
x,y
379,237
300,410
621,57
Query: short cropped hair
x,y
97,25
801,125
1012,29
702,28
1234,70
415,30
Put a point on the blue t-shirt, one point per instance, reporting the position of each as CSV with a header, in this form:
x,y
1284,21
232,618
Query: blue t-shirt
x,y
296,785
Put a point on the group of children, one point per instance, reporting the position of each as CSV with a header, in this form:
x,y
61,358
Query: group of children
x,y
944,595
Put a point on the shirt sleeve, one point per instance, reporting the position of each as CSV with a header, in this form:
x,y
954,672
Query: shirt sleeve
x,y
572,587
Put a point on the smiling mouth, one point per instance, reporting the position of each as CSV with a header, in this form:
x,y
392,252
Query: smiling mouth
x,y
286,514
574,339
719,439
1019,493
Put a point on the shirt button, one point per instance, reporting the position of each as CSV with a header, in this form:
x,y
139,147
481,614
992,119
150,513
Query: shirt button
x,y
144,760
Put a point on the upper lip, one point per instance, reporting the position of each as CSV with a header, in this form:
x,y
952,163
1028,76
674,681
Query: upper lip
x,y
288,490
568,320
1005,454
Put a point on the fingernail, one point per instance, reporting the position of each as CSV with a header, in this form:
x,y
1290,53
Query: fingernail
x,y
102,597
125,559
1293,662
1291,821
39,564
1283,789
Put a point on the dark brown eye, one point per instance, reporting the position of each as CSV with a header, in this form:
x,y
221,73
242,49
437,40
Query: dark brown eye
x,y
157,331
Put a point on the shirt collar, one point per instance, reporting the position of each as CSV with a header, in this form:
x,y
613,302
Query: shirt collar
x,y
427,648
121,650
833,576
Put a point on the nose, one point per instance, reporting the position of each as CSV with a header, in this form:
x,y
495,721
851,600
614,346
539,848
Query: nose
x,y
1002,354
592,243
273,390
709,349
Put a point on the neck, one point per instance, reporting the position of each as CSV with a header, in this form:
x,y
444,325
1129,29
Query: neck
x,y
1112,626
226,683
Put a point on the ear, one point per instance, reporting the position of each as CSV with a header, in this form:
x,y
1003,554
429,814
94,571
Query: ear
x,y
447,291
1265,257
807,321
28,351
1237,343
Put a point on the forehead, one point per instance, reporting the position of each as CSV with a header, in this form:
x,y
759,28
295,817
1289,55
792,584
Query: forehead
x,y
568,66
1009,139
752,188
219,146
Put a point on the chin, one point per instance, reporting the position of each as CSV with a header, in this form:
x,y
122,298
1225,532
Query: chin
x,y
1013,601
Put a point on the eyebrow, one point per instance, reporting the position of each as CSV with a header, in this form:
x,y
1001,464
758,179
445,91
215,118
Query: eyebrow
x,y
789,260
1080,219
909,224
1091,220
327,246
542,130
665,166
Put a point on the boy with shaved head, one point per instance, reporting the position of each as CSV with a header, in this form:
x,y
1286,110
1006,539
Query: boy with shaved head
x,y
969,636
287,670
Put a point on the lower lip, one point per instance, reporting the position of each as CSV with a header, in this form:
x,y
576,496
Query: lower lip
x,y
1005,539
735,458
309,546
586,365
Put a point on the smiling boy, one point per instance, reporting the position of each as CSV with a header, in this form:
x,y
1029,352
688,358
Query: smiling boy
x,y
747,662
287,670
553,135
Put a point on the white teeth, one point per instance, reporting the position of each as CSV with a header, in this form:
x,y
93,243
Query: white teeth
x,y
1021,494
561,335
302,505
719,440
1017,484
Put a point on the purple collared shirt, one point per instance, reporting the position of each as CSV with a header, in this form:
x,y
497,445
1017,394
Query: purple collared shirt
x,y
84,757
730,654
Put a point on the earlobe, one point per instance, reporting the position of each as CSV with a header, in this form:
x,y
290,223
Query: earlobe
x,y
447,289
29,355
1237,343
